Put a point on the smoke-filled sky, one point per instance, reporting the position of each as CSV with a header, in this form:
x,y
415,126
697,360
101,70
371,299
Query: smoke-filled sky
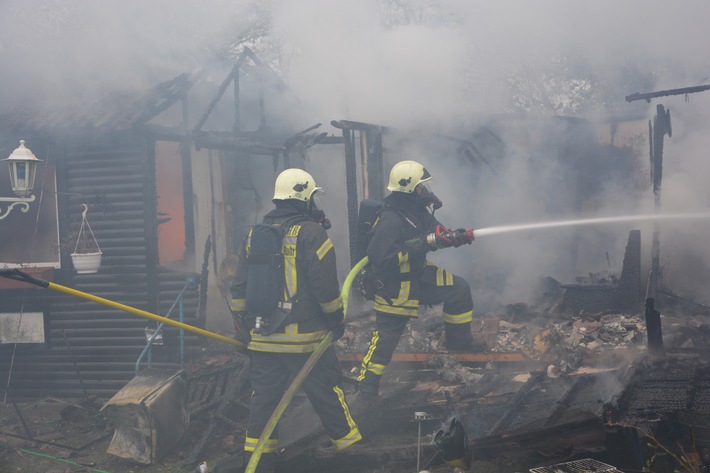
x,y
439,65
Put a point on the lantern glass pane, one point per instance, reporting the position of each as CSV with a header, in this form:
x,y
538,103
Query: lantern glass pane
x,y
21,172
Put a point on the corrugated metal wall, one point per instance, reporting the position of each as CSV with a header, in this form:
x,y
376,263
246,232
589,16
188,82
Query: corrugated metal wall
x,y
91,349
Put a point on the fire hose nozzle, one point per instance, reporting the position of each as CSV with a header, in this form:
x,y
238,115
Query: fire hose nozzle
x,y
469,234
444,238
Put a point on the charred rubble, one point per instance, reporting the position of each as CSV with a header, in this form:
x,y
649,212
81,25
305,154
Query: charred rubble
x,y
556,387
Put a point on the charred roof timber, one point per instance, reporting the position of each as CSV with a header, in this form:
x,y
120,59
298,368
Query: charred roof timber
x,y
665,93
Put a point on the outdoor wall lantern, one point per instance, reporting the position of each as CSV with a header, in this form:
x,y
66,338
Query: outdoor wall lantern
x,y
23,167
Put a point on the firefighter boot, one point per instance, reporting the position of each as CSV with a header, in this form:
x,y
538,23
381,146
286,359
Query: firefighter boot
x,y
364,400
364,408
459,339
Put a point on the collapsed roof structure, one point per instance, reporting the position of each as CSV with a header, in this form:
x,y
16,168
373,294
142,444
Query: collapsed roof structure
x,y
569,377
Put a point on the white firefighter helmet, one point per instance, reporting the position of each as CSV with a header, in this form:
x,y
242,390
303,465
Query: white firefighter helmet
x,y
405,176
294,184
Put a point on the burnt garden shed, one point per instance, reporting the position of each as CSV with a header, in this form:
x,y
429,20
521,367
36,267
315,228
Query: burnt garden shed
x,y
156,182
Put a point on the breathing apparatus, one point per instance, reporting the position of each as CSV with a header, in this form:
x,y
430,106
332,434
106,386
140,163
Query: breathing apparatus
x,y
315,212
428,199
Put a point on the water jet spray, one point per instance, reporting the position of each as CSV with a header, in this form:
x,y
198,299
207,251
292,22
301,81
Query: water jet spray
x,y
589,221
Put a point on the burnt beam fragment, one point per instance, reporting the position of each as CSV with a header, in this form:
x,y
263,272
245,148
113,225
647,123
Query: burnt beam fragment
x,y
622,295
653,329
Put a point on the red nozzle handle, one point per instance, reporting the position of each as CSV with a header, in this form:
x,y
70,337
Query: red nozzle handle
x,y
469,234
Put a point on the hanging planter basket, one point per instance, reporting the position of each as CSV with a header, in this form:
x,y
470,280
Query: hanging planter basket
x,y
87,254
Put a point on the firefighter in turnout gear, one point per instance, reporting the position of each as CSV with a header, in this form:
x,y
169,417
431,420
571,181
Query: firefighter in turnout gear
x,y
403,234
312,305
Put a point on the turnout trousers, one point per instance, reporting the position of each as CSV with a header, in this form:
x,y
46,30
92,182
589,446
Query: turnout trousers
x,y
435,286
271,374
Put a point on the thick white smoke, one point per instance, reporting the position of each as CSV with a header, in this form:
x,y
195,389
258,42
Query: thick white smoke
x,y
436,67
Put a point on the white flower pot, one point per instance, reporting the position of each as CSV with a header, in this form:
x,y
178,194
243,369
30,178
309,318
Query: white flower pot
x,y
86,263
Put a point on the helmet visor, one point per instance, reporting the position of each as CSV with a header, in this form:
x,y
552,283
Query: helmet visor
x,y
315,199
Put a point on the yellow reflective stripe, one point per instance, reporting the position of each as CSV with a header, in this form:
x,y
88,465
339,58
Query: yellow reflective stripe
x,y
457,319
402,305
324,248
238,305
332,306
411,303
289,251
290,341
444,278
368,356
352,437
403,296
376,368
276,348
395,310
293,231
403,262
290,337
269,447
247,245
346,410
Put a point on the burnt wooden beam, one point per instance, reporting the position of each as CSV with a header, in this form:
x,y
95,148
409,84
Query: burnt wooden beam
x,y
351,125
220,92
665,93
187,191
168,93
581,434
351,191
228,142
293,140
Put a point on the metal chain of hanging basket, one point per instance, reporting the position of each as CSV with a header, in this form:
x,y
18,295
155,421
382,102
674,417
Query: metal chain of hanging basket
x,y
86,257
82,234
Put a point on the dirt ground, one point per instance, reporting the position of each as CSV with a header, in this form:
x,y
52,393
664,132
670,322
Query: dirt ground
x,y
76,438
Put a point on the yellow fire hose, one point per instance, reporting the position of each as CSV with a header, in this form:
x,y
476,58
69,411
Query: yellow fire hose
x,y
18,275
301,376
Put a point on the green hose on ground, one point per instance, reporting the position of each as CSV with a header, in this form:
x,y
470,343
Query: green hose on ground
x,y
301,376
44,455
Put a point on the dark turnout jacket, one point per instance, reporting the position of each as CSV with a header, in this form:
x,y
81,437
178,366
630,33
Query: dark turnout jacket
x,y
311,289
397,253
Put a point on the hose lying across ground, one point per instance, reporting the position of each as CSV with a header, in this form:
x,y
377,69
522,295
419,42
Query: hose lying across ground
x,y
288,395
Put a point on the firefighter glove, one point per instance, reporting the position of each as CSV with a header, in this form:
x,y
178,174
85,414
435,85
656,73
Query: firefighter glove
x,y
336,324
241,331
